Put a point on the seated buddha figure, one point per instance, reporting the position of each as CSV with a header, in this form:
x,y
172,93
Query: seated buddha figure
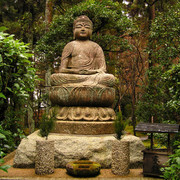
x,y
83,57
82,72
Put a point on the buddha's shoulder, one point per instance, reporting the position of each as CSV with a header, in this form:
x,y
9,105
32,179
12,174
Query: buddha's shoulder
x,y
70,44
76,43
94,43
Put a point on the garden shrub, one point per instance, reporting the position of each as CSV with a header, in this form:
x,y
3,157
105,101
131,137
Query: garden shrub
x,y
172,172
17,81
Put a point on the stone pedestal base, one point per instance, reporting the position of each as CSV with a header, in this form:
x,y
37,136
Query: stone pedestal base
x,y
84,127
69,148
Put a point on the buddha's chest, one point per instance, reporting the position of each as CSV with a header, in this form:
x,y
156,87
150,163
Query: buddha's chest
x,y
83,51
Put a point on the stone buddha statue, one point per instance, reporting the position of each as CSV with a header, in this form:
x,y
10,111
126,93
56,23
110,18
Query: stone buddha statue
x,y
82,83
82,56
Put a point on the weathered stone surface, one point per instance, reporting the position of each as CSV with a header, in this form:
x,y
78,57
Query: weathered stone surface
x,y
82,56
84,113
120,157
63,79
82,96
136,147
44,160
84,127
74,147
67,148
82,79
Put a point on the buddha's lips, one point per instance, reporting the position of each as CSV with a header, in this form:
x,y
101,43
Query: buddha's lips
x,y
83,33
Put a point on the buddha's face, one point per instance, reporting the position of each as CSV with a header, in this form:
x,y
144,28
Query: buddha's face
x,y
82,30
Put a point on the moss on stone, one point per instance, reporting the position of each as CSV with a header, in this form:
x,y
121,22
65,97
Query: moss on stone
x,y
83,168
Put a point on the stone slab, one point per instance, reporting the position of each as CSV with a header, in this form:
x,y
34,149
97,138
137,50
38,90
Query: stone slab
x,y
68,148
84,127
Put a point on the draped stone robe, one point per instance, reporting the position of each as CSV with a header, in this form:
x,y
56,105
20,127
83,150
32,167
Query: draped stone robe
x,y
83,55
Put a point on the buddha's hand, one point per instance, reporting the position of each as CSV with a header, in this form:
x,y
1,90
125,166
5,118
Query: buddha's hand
x,y
88,72
84,71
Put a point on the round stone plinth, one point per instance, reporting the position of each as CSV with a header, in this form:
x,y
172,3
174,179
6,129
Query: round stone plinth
x,y
84,128
96,96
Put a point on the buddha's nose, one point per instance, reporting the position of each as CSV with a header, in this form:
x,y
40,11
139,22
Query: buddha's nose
x,y
83,29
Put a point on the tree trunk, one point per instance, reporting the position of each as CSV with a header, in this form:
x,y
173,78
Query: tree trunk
x,y
47,86
48,20
48,13
31,123
133,109
151,12
133,95
151,8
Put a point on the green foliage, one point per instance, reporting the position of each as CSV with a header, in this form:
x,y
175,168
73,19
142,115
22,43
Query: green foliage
x,y
161,93
4,167
17,80
24,19
172,172
6,142
161,98
47,123
109,24
119,125
164,37
17,72
13,124
172,80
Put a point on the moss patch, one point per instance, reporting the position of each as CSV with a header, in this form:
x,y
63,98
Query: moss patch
x,y
83,168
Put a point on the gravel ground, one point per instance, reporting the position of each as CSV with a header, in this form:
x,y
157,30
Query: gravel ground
x,y
28,174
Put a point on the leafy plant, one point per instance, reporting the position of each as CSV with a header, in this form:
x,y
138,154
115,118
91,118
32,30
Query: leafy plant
x,y
119,125
172,172
161,91
3,167
7,142
17,81
47,123
4,145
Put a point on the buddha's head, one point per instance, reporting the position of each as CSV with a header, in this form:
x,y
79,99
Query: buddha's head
x,y
82,28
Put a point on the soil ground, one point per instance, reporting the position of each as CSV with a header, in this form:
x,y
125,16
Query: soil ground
x,y
28,174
